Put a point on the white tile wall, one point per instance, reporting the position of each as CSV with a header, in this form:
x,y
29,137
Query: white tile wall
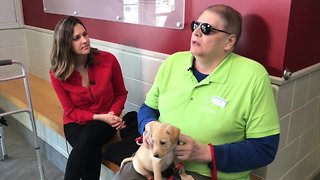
x,y
314,85
5,38
299,150
135,91
17,37
131,65
307,146
297,172
284,129
298,100
39,40
149,68
300,92
312,163
301,120
284,99
12,46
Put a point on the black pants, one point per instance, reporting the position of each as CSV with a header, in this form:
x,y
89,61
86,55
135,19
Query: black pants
x,y
116,152
85,158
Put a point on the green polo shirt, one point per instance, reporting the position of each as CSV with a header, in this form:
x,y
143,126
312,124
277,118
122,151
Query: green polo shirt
x,y
233,103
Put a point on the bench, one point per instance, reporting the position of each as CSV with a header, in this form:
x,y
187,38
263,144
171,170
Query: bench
x,y
45,102
46,105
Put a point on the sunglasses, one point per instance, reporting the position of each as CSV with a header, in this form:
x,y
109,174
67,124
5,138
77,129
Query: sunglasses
x,y
206,28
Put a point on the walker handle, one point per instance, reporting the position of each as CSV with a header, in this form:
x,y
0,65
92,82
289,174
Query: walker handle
x,y
5,62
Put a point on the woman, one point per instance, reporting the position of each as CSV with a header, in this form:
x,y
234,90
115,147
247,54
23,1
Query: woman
x,y
91,90
225,110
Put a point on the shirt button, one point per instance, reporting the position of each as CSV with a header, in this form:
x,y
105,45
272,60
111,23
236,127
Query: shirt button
x,y
191,98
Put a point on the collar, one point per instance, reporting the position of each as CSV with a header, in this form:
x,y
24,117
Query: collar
x,y
219,75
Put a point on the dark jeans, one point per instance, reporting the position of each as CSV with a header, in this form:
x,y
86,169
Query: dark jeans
x,y
85,158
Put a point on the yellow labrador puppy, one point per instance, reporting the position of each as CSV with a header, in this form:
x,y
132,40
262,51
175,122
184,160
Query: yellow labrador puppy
x,y
150,162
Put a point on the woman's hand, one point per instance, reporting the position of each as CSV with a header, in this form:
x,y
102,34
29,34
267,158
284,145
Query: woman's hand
x,y
190,150
112,119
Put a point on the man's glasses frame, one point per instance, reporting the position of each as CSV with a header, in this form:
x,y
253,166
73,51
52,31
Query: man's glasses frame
x,y
206,28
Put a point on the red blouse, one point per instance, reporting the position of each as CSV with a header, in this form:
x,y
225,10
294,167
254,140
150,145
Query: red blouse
x,y
106,92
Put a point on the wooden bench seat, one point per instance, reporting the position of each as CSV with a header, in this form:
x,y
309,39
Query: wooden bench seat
x,y
46,105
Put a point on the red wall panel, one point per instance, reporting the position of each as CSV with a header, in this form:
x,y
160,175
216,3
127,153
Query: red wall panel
x,y
264,35
303,39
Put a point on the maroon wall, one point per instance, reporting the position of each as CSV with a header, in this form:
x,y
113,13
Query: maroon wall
x,y
303,39
264,34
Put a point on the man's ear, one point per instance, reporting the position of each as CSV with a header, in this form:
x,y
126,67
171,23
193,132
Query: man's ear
x,y
231,41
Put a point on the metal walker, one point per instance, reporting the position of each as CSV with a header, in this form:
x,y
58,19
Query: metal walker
x,y
29,110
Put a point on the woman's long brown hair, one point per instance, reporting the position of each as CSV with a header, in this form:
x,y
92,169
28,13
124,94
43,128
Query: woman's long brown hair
x,y
63,58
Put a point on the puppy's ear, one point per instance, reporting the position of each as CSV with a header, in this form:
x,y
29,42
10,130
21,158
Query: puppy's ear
x,y
173,133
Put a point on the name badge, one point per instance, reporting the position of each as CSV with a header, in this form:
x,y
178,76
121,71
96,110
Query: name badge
x,y
219,101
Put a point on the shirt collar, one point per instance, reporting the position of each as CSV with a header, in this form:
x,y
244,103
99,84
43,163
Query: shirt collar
x,y
219,75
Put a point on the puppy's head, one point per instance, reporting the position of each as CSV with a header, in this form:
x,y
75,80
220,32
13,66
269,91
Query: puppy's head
x,y
165,138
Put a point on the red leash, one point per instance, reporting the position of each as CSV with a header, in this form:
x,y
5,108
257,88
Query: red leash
x,y
214,167
176,171
139,140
